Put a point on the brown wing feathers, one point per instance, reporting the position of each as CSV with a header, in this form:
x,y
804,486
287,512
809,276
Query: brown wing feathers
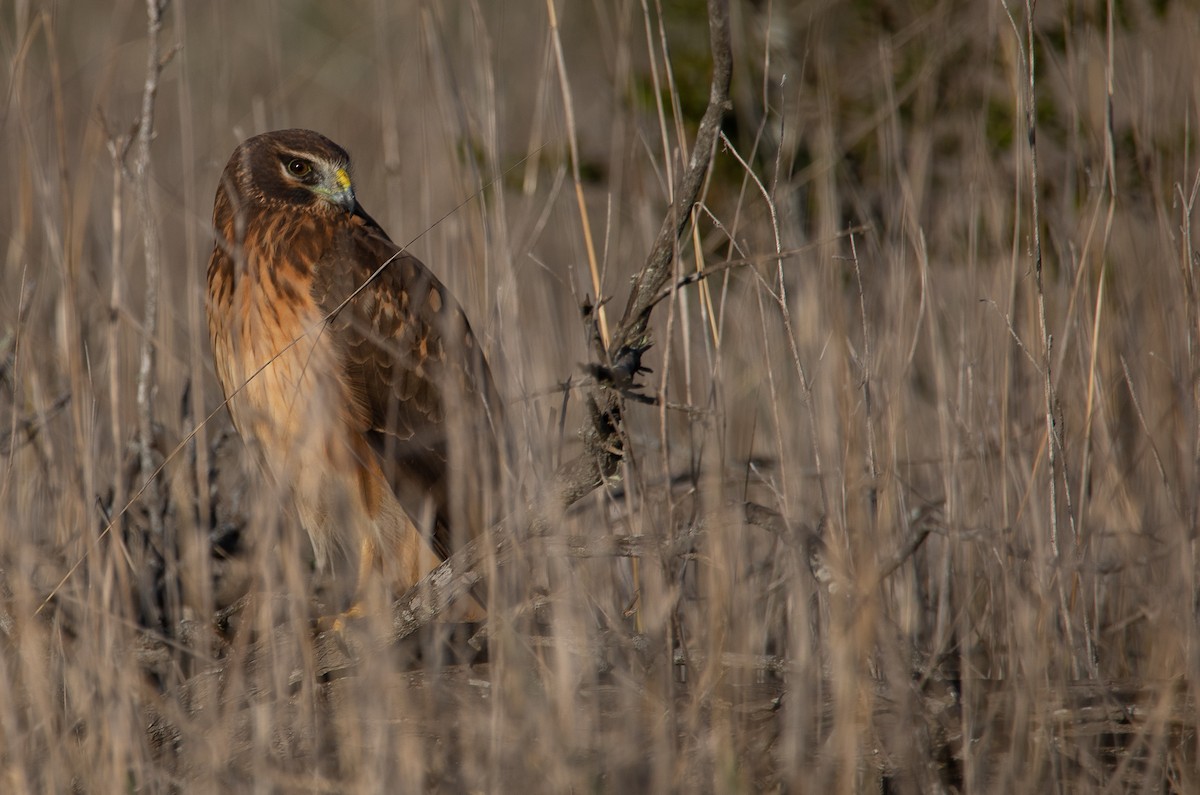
x,y
409,358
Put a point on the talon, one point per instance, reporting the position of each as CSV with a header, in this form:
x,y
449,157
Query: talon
x,y
339,622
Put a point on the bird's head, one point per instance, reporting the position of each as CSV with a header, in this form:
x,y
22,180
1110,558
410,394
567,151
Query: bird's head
x,y
297,169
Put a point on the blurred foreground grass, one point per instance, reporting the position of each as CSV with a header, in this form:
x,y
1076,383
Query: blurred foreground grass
x,y
935,588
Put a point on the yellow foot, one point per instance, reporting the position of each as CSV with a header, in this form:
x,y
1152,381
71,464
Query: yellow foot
x,y
340,622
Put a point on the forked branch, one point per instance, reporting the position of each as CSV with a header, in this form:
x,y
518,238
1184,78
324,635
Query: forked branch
x,y
601,435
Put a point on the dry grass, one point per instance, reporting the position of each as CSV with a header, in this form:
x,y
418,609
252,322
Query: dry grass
x,y
968,562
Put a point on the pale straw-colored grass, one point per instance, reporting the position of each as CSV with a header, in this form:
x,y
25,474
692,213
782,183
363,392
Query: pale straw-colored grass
x,y
912,514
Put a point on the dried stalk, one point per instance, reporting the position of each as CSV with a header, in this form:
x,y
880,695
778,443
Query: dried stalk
x,y
146,385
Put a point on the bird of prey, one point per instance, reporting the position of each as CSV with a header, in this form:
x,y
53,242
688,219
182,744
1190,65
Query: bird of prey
x,y
347,363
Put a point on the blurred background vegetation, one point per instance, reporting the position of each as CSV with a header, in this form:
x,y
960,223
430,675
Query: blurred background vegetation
x,y
938,504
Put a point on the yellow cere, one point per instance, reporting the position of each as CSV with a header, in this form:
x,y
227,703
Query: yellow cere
x,y
343,179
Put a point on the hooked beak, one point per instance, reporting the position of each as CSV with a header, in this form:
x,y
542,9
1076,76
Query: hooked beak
x,y
338,190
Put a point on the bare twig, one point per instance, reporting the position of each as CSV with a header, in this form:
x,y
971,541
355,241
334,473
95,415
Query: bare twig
x,y
150,242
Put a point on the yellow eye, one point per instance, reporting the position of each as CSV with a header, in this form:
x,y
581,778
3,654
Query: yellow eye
x,y
298,167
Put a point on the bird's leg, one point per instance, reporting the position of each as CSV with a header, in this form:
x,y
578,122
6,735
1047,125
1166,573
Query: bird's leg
x,y
368,559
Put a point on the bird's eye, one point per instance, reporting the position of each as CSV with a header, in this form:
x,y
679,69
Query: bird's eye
x,y
299,167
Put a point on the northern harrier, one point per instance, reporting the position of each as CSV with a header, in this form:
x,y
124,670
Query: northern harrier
x,y
346,362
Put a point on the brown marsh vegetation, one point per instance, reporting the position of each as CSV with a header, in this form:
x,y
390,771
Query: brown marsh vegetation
x,y
912,506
